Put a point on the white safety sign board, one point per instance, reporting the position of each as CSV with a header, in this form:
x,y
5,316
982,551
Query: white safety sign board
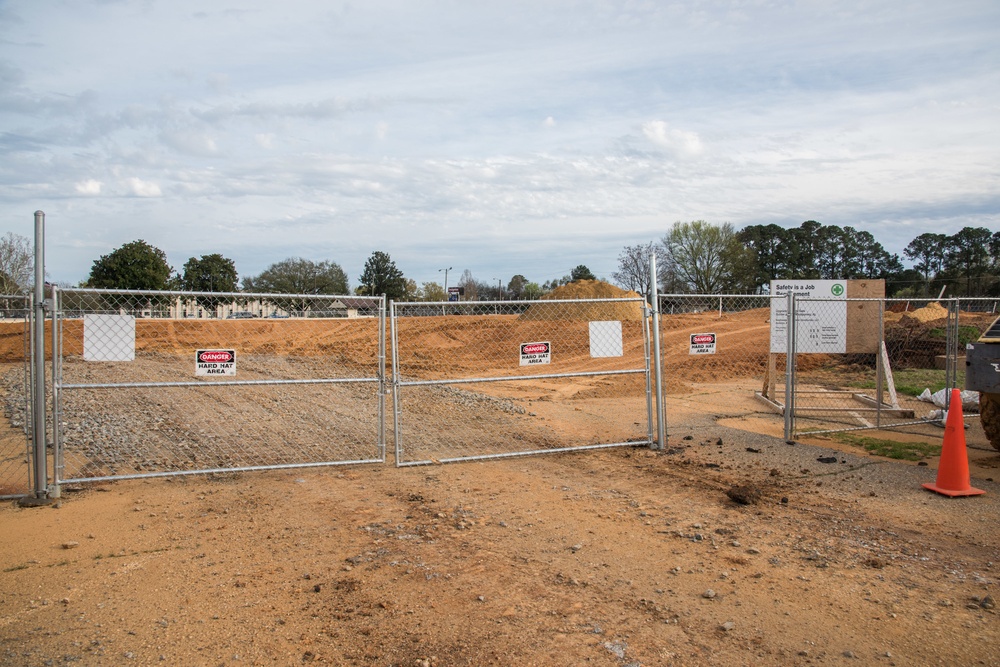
x,y
108,338
606,339
215,362
702,343
820,316
535,353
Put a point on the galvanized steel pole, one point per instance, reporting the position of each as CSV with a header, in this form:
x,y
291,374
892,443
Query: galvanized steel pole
x,y
661,420
38,439
790,365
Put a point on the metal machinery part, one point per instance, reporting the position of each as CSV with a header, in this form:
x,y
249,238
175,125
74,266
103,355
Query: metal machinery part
x,y
982,374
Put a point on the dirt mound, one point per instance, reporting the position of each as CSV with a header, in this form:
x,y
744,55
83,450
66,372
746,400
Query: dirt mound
x,y
582,290
929,313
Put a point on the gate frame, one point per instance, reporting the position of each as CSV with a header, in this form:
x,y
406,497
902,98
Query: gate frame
x,y
883,371
26,399
398,383
58,385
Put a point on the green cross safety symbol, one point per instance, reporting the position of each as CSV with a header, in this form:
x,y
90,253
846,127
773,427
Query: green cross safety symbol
x,y
837,289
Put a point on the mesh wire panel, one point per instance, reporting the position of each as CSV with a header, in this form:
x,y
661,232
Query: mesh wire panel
x,y
864,363
488,379
15,336
716,361
155,383
846,352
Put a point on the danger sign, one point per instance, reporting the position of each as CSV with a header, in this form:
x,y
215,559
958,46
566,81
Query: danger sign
x,y
215,362
535,353
702,343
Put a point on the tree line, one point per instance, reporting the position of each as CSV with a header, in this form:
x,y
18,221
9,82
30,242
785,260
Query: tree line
x,y
700,258
692,257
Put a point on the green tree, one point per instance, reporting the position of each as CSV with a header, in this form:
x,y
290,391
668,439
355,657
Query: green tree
x,y
969,256
907,283
772,252
581,272
296,275
704,256
830,256
532,291
211,273
550,285
516,286
134,266
432,291
805,247
381,276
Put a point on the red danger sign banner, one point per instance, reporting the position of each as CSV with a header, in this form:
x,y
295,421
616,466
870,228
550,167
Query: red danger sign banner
x,y
215,362
702,343
535,353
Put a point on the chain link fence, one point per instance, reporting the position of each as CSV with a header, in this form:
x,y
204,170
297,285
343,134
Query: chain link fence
x,y
880,363
859,363
15,354
163,383
715,356
490,379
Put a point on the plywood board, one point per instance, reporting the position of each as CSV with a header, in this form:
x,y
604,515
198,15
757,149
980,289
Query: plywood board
x,y
864,320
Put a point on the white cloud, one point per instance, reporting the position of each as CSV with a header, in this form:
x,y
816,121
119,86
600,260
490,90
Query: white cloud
x,y
395,124
675,142
89,187
141,188
190,142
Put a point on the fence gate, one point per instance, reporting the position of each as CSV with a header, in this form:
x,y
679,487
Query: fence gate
x,y
716,360
171,383
869,373
858,363
478,380
16,381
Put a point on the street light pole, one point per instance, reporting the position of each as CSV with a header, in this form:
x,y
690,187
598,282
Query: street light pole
x,y
445,279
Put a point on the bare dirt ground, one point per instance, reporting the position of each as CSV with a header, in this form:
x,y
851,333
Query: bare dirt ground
x,y
730,547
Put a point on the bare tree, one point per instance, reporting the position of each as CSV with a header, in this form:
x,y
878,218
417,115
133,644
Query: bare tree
x,y
17,263
469,286
633,268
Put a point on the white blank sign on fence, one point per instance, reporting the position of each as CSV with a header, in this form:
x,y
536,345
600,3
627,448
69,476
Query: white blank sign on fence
x,y
606,339
108,338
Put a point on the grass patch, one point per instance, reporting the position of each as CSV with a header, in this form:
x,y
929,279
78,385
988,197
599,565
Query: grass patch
x,y
913,381
966,334
893,449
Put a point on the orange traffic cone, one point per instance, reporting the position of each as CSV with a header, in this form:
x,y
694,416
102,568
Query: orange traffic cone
x,y
953,469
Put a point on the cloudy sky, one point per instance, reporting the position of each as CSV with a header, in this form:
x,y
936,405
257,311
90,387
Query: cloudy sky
x,y
501,137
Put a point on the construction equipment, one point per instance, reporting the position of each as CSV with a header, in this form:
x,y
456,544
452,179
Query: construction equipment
x,y
982,374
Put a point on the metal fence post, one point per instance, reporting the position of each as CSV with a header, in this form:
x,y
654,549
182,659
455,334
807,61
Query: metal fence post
x,y
57,356
951,350
661,419
382,385
40,481
397,440
790,367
